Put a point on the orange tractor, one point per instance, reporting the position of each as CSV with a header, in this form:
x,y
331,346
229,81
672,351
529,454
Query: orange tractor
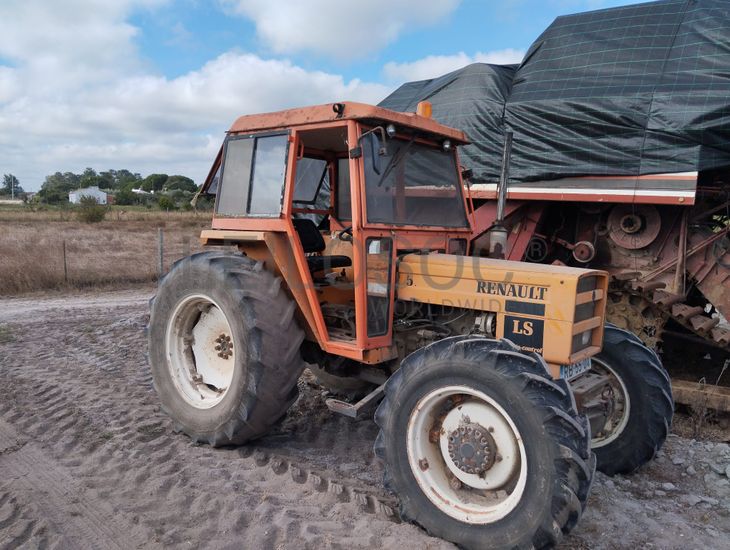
x,y
352,230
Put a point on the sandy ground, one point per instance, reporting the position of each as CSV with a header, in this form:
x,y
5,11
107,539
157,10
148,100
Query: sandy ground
x,y
87,459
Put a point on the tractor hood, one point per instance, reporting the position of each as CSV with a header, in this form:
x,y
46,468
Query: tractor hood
x,y
528,300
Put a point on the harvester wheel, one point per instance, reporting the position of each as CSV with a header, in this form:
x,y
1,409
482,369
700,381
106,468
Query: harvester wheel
x,y
483,447
641,403
224,348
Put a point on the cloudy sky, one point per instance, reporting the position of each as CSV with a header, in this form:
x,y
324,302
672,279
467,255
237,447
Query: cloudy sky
x,y
152,85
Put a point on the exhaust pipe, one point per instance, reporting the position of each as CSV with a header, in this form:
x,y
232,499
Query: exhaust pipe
x,y
498,233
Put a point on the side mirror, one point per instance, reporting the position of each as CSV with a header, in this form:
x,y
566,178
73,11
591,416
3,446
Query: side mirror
x,y
377,150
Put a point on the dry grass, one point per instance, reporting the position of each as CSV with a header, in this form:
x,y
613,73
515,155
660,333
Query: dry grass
x,y
117,214
113,251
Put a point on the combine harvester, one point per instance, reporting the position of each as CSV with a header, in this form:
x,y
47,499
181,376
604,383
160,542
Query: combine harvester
x,y
620,120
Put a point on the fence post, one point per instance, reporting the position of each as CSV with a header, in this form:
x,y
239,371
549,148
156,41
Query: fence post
x,y
160,248
65,264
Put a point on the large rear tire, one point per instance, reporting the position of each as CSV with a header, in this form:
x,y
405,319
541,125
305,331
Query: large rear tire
x,y
224,348
642,408
483,448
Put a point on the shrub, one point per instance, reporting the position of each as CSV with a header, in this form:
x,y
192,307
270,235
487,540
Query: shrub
x,y
125,197
166,203
90,211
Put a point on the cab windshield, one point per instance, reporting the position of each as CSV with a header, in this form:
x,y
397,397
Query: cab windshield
x,y
411,183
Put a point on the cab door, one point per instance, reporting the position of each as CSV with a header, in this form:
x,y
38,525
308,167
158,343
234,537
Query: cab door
x,y
379,285
374,262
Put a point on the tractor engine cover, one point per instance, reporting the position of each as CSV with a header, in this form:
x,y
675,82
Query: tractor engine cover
x,y
526,299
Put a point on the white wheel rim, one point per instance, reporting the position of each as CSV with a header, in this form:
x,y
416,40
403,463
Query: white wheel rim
x,y
482,495
615,424
201,351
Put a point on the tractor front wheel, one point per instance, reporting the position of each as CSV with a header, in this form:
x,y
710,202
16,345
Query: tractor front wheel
x,y
483,448
630,419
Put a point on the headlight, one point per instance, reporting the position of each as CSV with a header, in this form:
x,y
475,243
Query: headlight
x,y
582,340
585,338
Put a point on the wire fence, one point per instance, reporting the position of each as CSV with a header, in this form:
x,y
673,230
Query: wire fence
x,y
90,258
143,267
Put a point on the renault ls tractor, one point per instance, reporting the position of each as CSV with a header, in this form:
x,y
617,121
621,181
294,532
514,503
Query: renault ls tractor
x,y
500,390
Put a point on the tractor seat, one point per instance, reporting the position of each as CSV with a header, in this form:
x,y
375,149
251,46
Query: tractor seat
x,y
313,242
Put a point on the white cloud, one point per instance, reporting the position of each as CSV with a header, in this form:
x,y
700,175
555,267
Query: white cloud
x,y
76,93
343,30
437,65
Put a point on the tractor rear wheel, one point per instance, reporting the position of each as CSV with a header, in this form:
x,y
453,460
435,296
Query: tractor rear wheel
x,y
224,348
483,447
641,406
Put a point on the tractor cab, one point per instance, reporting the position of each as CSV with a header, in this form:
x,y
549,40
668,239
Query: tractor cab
x,y
336,193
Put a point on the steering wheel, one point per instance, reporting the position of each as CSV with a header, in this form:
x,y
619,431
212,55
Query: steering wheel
x,y
345,234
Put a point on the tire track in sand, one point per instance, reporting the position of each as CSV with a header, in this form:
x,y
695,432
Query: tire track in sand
x,y
86,400
78,517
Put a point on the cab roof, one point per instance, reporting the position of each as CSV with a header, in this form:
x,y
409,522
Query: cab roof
x,y
346,110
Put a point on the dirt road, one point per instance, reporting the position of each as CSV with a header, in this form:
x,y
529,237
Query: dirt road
x,y
87,459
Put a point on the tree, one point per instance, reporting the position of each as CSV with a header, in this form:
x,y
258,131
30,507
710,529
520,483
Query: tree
x,y
181,183
126,197
11,185
91,179
154,182
57,187
118,179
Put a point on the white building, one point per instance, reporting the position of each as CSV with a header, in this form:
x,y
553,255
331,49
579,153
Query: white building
x,y
74,197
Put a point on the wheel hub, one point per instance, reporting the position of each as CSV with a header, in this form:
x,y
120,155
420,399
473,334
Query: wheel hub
x,y
466,454
199,349
224,346
478,446
613,402
472,448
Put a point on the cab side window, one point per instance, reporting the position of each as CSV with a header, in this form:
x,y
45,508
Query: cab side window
x,y
252,176
344,203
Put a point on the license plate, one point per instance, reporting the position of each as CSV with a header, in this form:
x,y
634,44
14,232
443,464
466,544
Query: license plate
x,y
574,369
